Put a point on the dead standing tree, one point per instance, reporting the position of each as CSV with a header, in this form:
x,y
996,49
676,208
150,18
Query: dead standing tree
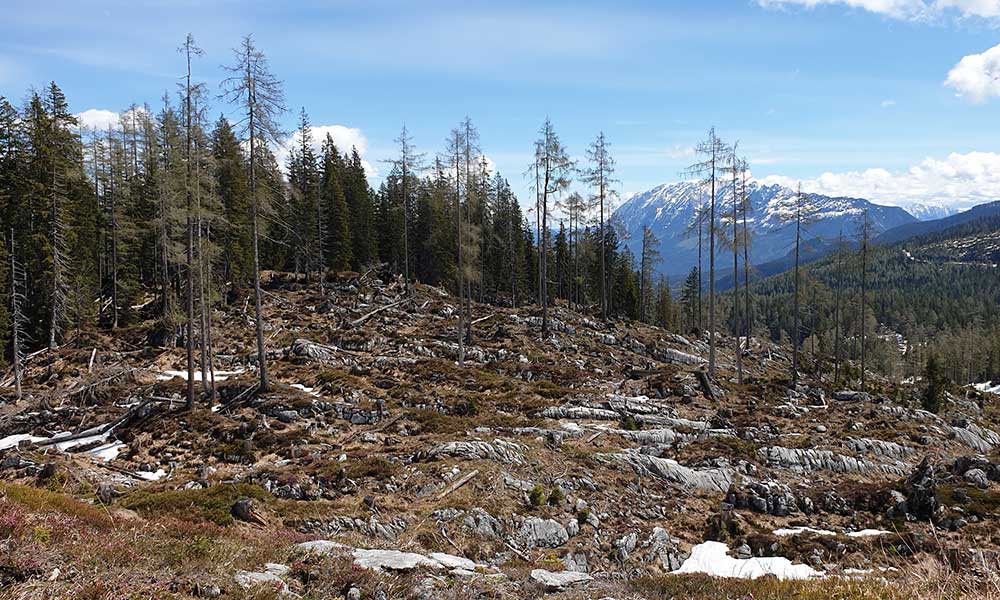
x,y
260,96
803,213
600,175
714,151
409,163
189,49
16,278
553,165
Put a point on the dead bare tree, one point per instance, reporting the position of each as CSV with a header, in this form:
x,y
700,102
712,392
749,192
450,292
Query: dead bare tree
x,y
260,95
714,151
16,277
189,49
409,163
554,165
600,175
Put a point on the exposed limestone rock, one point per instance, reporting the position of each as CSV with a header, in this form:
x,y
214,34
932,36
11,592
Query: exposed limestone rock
x,y
879,448
483,523
851,396
542,533
712,480
555,581
661,549
502,451
676,357
807,460
769,497
974,436
580,412
373,527
392,560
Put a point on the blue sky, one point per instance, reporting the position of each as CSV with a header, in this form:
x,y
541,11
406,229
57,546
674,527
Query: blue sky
x,y
849,96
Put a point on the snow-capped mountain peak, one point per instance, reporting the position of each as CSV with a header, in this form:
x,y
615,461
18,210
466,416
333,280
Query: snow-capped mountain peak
x,y
669,209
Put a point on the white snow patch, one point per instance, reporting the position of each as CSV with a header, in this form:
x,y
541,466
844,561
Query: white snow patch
x,y
712,558
306,389
868,533
798,530
152,475
219,375
83,441
107,452
987,387
13,440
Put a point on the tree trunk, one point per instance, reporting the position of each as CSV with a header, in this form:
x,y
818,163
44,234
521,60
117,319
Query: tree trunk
x,y
255,210
190,239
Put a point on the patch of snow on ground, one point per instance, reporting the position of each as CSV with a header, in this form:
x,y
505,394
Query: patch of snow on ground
x,y
13,440
219,375
987,387
304,388
107,452
152,475
798,530
868,533
90,439
712,558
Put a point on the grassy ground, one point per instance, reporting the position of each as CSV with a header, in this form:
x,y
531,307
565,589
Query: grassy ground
x,y
161,550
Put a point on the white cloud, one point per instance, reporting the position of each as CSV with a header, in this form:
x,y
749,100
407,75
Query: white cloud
x,y
344,138
905,9
960,180
97,118
888,103
976,75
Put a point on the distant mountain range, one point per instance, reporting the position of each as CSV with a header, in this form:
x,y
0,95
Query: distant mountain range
x,y
910,230
669,210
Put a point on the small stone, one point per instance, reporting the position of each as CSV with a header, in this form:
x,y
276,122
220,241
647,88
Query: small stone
x,y
821,428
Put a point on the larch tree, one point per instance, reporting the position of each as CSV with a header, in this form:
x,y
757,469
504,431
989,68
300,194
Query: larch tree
x,y
409,163
648,259
802,214
714,152
260,96
17,298
189,49
746,207
865,235
600,175
456,146
554,167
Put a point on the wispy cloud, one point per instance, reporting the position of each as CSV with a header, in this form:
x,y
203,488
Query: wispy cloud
x,y
904,9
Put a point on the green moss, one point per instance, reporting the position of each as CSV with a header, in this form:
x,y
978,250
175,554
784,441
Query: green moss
x,y
211,504
46,500
981,502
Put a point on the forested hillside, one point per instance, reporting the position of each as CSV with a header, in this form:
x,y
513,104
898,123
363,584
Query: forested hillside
x,y
938,291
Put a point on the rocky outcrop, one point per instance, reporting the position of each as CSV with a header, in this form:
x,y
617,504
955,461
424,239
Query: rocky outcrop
x,y
802,460
676,357
770,498
880,448
580,412
559,580
710,480
542,533
501,451
662,550
974,436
